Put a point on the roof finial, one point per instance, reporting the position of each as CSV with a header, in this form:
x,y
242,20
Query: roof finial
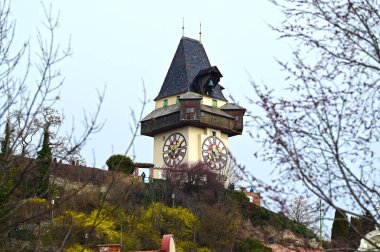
x,y
183,27
200,32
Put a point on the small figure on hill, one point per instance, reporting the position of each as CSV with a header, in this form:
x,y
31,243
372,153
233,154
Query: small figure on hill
x,y
271,240
143,176
231,186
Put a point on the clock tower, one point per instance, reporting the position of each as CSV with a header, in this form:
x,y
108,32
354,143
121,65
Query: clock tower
x,y
192,120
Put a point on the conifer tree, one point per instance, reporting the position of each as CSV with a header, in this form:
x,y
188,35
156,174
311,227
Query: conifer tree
x,y
44,158
340,226
367,223
6,181
5,142
355,232
45,152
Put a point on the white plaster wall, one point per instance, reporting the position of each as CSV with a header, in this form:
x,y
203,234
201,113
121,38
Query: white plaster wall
x,y
194,140
208,101
173,100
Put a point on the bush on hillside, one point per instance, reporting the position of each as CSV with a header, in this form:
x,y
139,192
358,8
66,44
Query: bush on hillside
x,y
120,163
260,216
238,196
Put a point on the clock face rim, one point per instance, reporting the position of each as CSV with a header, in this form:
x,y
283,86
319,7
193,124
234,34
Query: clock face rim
x,y
206,148
180,156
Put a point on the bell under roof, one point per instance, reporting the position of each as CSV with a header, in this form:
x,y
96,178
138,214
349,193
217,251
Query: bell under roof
x,y
188,61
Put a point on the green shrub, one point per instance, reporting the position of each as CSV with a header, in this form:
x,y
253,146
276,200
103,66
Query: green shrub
x,y
238,197
260,216
77,247
23,234
120,163
203,250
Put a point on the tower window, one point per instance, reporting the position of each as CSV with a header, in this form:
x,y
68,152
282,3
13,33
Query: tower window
x,y
190,113
213,133
214,103
165,102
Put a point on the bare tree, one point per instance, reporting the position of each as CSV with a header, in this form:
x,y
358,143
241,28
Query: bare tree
x,y
28,89
28,116
301,211
306,213
231,172
325,131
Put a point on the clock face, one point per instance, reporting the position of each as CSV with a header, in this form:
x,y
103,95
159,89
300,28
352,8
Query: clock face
x,y
174,149
214,153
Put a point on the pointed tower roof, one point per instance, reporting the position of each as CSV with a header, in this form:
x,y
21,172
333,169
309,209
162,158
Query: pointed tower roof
x,y
188,61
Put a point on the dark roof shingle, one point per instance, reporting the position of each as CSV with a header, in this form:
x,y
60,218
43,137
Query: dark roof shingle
x,y
231,106
189,59
190,96
161,112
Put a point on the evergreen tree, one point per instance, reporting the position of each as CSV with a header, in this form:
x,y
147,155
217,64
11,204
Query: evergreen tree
x,y
355,232
6,183
6,141
45,152
44,159
367,223
340,226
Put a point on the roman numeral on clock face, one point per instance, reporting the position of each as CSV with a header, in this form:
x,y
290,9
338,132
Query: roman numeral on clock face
x,y
174,149
214,153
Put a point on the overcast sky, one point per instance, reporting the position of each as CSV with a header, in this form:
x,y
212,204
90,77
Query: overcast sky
x,y
118,43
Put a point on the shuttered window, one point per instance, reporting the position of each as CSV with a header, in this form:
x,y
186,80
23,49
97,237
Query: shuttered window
x,y
214,103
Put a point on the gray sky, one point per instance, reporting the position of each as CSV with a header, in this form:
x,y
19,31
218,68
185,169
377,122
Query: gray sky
x,y
118,43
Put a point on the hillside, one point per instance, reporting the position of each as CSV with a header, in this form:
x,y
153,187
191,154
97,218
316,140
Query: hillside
x,y
93,206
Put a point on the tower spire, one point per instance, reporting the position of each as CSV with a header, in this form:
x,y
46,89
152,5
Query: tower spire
x,y
183,27
200,32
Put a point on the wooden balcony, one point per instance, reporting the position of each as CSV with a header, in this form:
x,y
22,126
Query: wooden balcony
x,y
190,113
